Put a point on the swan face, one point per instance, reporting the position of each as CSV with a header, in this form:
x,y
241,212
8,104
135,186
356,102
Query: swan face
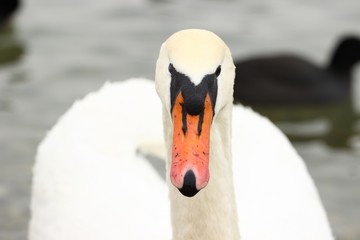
x,y
194,80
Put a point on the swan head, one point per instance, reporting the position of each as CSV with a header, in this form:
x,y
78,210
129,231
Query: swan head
x,y
347,53
194,79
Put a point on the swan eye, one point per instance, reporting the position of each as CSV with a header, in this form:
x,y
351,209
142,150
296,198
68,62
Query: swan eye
x,y
218,71
171,68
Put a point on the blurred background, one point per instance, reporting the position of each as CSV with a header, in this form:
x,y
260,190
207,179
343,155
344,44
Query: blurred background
x,y
53,52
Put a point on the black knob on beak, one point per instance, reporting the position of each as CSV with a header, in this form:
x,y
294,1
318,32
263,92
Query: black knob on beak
x,y
189,187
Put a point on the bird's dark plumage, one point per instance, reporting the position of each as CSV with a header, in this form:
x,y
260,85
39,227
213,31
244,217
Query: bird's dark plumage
x,y
288,79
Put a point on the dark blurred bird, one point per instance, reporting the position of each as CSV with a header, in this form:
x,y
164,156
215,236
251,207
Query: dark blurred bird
x,y
288,79
7,8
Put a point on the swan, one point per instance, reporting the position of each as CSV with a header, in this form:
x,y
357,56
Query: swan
x,y
90,182
8,7
289,79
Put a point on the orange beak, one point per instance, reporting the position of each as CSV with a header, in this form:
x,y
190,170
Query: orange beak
x,y
191,147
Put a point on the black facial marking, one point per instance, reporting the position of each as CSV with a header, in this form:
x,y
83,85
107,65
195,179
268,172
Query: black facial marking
x,y
218,71
211,82
175,85
172,70
194,96
201,120
184,120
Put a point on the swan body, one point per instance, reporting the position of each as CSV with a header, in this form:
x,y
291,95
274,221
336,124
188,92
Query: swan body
x,y
90,183
289,79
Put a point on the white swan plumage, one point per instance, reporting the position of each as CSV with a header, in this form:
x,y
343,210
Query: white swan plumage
x,y
90,183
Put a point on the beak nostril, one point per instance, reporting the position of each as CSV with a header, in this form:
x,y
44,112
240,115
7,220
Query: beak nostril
x,y
189,186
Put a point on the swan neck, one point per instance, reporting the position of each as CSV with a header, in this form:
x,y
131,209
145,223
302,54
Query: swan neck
x,y
212,213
